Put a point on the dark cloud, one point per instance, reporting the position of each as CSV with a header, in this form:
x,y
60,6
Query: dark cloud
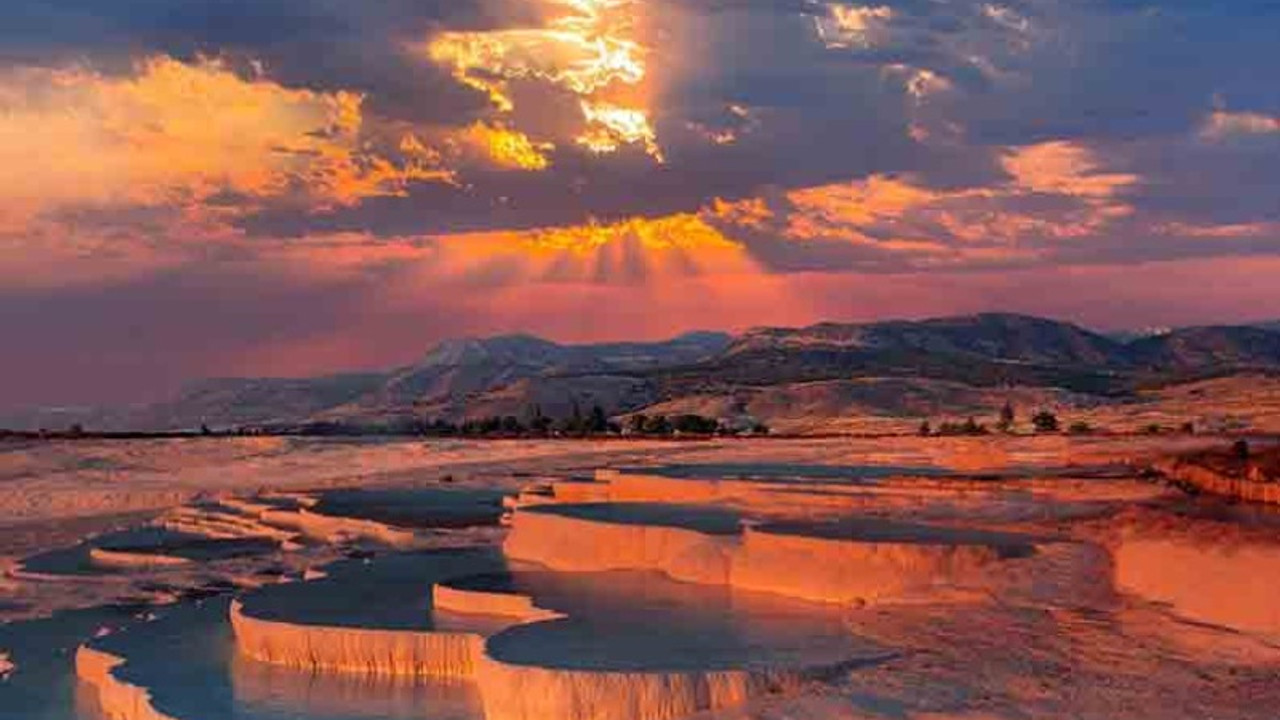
x,y
321,45
937,95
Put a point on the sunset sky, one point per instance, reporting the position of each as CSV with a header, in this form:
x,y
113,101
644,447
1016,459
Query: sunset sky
x,y
276,187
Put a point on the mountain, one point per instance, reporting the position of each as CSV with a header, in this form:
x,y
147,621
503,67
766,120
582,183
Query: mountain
x,y
511,375
804,375
990,336
983,350
1203,348
469,377
233,401
456,369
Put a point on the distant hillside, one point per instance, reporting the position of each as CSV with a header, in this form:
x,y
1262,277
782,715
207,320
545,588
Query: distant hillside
x,y
982,350
994,337
1207,348
806,378
506,375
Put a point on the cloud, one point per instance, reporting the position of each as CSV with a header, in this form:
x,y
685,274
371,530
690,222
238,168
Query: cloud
x,y
1223,125
590,49
636,251
1054,193
507,148
1064,168
184,135
845,26
594,168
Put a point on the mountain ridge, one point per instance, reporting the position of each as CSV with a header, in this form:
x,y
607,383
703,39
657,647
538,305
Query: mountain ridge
x,y
519,374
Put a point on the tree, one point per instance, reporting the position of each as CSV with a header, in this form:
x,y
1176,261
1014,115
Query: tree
x,y
538,422
599,423
1007,418
694,425
576,422
1045,422
441,428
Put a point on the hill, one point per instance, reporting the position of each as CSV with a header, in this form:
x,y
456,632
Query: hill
x,y
826,376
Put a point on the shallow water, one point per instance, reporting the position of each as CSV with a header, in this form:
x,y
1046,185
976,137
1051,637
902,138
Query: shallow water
x,y
44,685
189,662
630,620
416,507
706,519
185,654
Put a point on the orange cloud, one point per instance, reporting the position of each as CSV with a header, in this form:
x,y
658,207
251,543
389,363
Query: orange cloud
x,y
610,127
1057,191
1063,168
588,48
860,202
508,148
624,252
852,26
175,133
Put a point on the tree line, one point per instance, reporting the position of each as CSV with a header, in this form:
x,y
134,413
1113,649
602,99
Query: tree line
x,y
1042,422
596,422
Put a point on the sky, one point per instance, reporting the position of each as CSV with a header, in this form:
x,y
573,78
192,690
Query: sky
x,y
195,188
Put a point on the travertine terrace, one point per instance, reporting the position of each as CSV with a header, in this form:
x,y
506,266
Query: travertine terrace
x,y
933,580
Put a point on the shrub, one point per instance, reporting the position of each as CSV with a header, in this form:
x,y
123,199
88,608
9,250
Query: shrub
x,y
1046,422
1007,418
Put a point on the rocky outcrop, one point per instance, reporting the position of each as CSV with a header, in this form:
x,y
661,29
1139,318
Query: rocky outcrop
x,y
508,691
635,525
514,692
573,544
105,559
356,650
1250,485
117,699
767,497
860,564
830,570
520,608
